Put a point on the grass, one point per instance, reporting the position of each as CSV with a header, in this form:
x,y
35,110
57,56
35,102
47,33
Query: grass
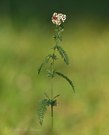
x,y
22,50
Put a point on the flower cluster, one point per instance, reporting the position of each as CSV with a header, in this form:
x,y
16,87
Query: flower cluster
x,y
58,18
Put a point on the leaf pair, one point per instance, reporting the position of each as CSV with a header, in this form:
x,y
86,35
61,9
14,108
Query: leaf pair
x,y
42,108
52,74
47,58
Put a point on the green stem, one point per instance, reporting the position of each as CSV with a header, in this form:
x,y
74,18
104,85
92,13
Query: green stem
x,y
52,88
52,70
52,122
58,38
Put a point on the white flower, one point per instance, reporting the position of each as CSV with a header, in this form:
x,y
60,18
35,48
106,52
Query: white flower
x,y
58,18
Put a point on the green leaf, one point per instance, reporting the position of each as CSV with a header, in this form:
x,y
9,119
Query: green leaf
x,y
66,78
56,96
39,69
62,53
42,108
44,62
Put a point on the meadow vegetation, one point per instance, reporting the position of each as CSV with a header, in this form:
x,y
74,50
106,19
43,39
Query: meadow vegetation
x,y
22,48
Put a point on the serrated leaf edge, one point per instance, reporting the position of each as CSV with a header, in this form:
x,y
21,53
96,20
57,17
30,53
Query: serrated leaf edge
x,y
66,78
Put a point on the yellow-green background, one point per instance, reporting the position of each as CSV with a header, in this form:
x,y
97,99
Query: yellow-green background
x,y
26,35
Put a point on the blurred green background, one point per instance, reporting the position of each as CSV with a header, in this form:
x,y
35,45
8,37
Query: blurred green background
x,y
26,34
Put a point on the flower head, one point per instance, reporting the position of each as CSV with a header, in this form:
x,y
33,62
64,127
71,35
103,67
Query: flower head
x,y
58,18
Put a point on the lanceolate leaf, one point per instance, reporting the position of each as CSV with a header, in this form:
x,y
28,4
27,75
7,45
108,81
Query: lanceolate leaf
x,y
62,53
39,69
43,63
66,78
42,108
